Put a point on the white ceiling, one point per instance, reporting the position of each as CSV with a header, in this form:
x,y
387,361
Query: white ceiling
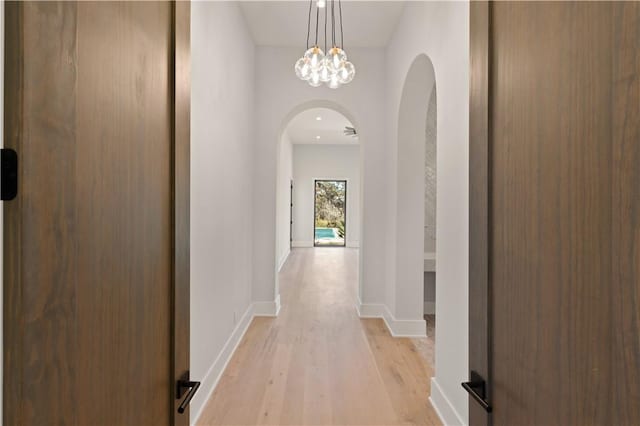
x,y
284,23
304,128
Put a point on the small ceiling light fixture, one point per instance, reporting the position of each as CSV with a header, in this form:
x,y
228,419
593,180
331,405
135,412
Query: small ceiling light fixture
x,y
333,69
317,137
318,118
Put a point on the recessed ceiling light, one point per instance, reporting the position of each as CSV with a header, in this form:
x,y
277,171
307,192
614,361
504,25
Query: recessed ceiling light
x,y
318,118
317,137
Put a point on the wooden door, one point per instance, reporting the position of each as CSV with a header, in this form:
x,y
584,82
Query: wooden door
x,y
96,242
555,192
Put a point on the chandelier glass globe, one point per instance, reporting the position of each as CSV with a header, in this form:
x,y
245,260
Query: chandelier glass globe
x,y
314,55
335,58
303,69
346,72
314,79
325,71
334,82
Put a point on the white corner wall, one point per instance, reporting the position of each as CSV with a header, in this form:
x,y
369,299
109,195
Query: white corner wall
x,y
222,141
324,161
441,31
283,215
280,95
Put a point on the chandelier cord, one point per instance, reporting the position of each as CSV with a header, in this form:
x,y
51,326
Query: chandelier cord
x,y
341,30
333,22
325,30
317,19
309,23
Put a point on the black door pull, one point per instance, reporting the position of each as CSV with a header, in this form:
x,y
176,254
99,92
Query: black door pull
x,y
193,388
9,170
477,389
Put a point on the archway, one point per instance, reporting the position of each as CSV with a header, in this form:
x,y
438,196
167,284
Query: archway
x,y
284,230
416,175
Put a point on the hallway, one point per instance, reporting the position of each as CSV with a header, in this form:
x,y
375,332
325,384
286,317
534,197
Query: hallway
x,y
318,363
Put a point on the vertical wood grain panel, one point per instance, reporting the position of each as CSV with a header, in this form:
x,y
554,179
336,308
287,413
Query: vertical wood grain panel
x,y
124,212
625,210
551,194
90,240
39,279
12,306
479,318
564,202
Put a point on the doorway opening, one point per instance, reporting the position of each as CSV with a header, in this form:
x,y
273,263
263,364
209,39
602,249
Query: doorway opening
x,y
330,213
416,259
319,141
430,200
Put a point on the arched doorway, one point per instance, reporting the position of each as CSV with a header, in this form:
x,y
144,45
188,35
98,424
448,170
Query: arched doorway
x,y
313,128
416,193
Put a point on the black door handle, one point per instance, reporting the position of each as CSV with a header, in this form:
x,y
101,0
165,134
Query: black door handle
x,y
477,389
9,171
193,388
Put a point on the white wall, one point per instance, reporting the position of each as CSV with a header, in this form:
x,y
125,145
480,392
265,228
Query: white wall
x,y
280,95
285,175
441,31
222,141
310,162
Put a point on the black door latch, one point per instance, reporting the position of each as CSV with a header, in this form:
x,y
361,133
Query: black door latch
x,y
9,186
477,389
182,385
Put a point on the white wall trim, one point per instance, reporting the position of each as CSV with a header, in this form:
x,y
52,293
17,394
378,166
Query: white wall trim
x,y
309,244
370,310
429,308
397,328
278,306
405,328
283,259
443,407
302,244
267,309
211,379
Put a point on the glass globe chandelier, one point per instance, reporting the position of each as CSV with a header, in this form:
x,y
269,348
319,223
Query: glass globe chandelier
x,y
329,67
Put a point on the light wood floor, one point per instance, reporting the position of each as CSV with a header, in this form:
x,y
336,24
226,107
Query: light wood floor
x,y
318,363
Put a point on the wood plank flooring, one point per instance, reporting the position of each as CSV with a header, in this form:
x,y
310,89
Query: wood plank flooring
x,y
318,363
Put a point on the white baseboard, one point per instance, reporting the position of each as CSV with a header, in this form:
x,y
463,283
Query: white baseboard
x,y
302,244
211,379
405,328
397,328
266,309
213,375
443,407
309,244
429,308
370,310
283,259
